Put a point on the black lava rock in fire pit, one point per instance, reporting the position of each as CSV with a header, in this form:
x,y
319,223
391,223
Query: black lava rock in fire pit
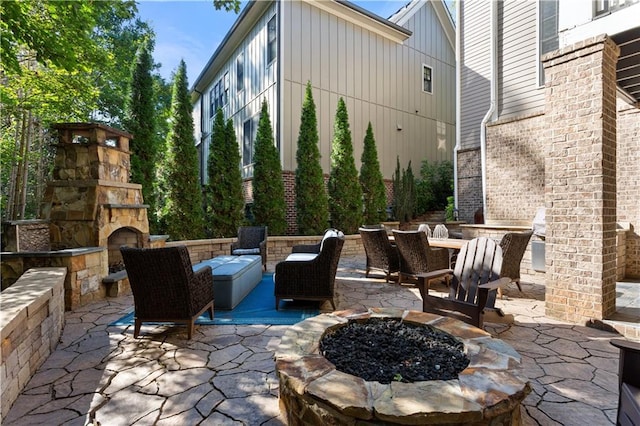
x,y
387,349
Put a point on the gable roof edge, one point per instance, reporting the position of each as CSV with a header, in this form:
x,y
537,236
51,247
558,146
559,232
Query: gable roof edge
x,y
403,15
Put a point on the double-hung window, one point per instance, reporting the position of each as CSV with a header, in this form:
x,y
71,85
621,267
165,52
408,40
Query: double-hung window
x,y
427,79
219,95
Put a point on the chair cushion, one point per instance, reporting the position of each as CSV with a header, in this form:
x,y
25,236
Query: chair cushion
x,y
330,233
301,257
242,251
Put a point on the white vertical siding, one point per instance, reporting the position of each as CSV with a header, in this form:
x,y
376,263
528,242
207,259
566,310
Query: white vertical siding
x,y
518,89
260,82
475,69
380,80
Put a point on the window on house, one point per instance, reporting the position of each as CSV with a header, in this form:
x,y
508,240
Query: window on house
x,y
212,102
272,40
548,31
240,72
249,132
605,7
427,82
225,95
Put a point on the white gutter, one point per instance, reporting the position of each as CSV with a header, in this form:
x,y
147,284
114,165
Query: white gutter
x,y
458,84
492,106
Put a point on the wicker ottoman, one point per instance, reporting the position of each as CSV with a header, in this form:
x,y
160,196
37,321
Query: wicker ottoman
x,y
233,278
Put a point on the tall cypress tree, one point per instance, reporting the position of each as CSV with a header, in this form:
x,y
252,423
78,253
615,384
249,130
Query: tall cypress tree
x,y
140,121
312,205
182,212
345,194
224,200
269,208
372,182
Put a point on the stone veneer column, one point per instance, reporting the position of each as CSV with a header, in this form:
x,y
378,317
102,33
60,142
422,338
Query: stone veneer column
x,y
580,180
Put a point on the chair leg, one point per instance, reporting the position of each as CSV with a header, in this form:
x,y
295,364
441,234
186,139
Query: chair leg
x,y
210,310
277,303
333,305
518,284
190,328
136,328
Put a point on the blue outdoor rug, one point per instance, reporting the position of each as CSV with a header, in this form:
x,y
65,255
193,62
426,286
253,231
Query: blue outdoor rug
x,y
258,307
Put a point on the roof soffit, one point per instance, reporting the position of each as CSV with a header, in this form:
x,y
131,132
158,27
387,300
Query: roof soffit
x,y
352,13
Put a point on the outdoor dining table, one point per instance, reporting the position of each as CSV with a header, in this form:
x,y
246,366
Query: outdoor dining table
x,y
452,244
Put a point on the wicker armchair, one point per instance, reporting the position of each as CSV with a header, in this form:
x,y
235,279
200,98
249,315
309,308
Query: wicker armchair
x,y
416,256
379,251
628,382
165,288
513,245
309,275
472,288
251,240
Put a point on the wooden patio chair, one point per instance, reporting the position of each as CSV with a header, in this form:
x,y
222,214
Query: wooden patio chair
x,y
472,286
379,252
165,288
251,240
416,256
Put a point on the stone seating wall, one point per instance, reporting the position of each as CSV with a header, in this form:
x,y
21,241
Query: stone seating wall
x,y
30,328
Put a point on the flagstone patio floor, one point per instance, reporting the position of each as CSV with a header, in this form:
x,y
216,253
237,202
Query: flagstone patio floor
x,y
225,375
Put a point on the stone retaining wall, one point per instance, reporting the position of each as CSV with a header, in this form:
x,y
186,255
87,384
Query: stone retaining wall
x,y
30,327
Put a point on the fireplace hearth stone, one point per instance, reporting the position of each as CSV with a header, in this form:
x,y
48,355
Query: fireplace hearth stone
x,y
312,392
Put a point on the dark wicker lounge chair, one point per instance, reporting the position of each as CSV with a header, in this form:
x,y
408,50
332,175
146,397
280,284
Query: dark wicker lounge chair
x,y
474,280
416,256
513,245
309,273
165,288
251,240
629,382
379,251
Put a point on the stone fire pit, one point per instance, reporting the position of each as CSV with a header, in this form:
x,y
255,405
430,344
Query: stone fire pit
x,y
312,392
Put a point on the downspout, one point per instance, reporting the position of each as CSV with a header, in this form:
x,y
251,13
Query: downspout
x,y
202,162
492,106
456,148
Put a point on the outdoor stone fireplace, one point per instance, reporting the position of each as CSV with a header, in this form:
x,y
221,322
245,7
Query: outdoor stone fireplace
x,y
488,391
90,202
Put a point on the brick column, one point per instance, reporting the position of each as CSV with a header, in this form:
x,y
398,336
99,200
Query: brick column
x,y
580,180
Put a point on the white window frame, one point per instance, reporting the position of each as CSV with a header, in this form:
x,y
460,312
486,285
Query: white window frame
x,y
422,80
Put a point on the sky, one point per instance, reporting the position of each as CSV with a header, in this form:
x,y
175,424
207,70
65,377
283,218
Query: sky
x,y
193,29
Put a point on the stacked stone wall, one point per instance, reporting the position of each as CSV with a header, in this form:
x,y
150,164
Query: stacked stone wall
x,y
32,321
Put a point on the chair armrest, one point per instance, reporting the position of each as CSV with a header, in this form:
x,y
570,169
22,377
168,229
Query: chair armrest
x,y
202,287
306,248
494,285
234,245
438,273
627,345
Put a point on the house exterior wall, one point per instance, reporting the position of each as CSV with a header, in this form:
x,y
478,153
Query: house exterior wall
x,y
628,182
475,75
519,92
379,79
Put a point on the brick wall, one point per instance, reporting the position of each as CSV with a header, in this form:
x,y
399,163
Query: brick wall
x,y
32,321
469,183
628,180
515,170
580,179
